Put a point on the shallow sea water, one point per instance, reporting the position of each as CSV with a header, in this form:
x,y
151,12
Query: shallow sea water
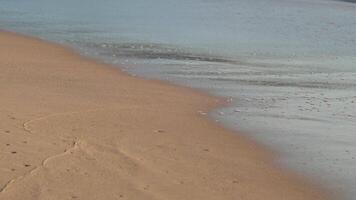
x,y
289,66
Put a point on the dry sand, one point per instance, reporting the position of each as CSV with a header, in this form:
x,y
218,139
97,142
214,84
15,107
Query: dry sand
x,y
73,128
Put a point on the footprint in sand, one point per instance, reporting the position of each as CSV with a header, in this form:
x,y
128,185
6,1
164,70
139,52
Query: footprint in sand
x,y
11,117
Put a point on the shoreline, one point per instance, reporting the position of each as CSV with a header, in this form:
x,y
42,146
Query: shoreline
x,y
164,148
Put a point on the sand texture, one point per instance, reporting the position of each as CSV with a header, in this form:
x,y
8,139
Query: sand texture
x,y
73,128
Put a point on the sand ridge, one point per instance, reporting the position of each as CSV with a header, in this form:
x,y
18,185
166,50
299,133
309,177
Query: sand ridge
x,y
73,128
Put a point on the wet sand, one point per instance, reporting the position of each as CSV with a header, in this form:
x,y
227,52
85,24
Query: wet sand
x,y
73,128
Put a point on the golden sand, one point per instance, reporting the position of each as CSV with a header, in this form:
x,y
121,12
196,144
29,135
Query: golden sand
x,y
73,128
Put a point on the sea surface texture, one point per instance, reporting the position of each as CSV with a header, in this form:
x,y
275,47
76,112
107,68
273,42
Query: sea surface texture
x,y
289,66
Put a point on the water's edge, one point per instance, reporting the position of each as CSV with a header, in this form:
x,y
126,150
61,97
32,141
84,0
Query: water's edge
x,y
287,65
215,115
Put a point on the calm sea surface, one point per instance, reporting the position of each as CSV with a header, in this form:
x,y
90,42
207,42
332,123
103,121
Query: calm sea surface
x,y
289,66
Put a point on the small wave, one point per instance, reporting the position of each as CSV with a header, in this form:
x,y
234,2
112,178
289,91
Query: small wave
x,y
299,84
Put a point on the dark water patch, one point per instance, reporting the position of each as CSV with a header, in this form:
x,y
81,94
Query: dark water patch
x,y
349,1
155,51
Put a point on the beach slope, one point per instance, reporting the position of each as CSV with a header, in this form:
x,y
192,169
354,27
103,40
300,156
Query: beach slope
x,y
72,128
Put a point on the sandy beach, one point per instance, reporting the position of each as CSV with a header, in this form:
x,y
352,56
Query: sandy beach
x,y
73,128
